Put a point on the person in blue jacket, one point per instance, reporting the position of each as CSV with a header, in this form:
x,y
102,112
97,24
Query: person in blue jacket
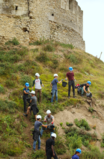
x,y
77,154
25,95
54,87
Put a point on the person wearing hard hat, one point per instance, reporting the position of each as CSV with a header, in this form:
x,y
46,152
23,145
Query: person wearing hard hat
x,y
70,76
49,119
77,154
38,86
54,87
25,95
33,101
85,89
49,147
36,132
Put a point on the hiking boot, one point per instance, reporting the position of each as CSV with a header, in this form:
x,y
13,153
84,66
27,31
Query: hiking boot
x,y
74,96
69,97
25,115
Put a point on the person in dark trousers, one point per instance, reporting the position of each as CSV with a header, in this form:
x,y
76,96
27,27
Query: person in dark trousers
x,y
49,147
54,87
25,95
77,154
33,101
36,133
70,76
38,86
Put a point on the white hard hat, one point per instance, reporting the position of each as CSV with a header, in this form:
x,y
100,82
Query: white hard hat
x,y
32,92
38,117
55,75
37,74
48,112
53,135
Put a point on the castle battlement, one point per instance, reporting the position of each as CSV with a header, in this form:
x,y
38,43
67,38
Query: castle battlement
x,y
30,20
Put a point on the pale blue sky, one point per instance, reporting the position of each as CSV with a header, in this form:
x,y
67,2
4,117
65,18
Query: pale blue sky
x,y
93,26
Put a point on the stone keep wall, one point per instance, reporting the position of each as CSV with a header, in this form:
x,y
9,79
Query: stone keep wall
x,y
61,20
14,7
11,27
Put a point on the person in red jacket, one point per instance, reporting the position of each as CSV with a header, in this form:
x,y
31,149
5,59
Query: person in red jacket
x,y
70,76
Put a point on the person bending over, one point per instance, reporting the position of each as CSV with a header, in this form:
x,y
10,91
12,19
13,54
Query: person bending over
x,y
49,119
85,89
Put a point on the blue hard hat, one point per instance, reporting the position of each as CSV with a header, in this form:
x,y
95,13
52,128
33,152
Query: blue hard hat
x,y
71,68
89,82
27,84
78,150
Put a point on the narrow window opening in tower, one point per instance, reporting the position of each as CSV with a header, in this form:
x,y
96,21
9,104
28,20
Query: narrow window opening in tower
x,y
70,4
53,14
16,7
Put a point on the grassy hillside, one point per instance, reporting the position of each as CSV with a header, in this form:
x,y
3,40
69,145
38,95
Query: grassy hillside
x,y
18,64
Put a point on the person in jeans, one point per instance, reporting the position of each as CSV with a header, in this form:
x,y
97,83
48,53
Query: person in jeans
x,y
49,119
33,107
70,76
38,86
37,124
25,95
77,154
49,147
54,87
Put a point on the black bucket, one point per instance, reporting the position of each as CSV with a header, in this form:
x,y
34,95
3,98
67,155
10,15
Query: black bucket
x,y
64,84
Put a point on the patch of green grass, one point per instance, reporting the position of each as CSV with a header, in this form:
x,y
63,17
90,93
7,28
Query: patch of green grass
x,y
59,146
40,154
49,48
61,124
69,124
82,123
8,106
26,78
9,83
90,109
36,43
42,57
66,45
2,89
13,42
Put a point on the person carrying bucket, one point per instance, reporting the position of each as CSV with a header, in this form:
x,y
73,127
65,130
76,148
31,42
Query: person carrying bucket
x,y
54,87
77,154
70,76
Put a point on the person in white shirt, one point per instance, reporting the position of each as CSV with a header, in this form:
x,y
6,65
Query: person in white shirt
x,y
38,86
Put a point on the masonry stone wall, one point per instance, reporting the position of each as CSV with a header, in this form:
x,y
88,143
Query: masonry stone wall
x,y
14,7
30,20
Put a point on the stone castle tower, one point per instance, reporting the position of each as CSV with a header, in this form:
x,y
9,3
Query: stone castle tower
x,y
30,20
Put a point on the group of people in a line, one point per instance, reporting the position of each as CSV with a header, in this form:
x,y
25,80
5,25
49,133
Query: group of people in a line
x,y
49,119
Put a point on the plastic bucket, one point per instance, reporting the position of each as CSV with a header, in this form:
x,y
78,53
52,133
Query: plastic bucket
x,y
64,84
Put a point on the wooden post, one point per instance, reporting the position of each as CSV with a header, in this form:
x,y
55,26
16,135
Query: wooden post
x,y
100,55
